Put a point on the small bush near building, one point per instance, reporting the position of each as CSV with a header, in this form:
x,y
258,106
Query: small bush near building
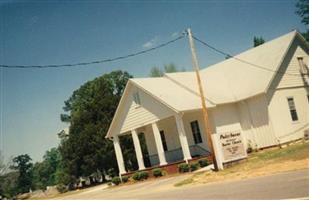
x,y
203,162
251,147
116,180
111,172
143,175
157,172
136,176
194,166
164,173
62,188
249,150
183,167
125,179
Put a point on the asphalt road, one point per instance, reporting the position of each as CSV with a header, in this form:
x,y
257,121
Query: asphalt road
x,y
281,186
289,185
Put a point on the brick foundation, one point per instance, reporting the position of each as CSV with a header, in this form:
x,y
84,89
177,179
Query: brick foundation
x,y
171,168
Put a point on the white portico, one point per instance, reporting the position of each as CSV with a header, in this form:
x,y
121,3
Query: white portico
x,y
166,142
169,134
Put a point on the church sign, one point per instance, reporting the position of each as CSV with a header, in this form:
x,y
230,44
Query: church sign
x,y
232,146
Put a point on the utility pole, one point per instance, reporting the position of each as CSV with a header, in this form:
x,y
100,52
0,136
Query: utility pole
x,y
204,107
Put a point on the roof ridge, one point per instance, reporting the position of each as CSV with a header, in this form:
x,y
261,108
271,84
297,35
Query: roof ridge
x,y
294,32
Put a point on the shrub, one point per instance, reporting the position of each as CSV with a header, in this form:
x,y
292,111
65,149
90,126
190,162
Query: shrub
x,y
183,167
203,162
125,179
143,175
194,166
249,150
251,147
136,176
116,180
62,188
140,175
111,172
157,172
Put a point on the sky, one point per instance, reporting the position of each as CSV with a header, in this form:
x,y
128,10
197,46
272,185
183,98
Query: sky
x,y
60,32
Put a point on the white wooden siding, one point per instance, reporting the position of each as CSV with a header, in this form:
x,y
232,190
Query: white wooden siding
x,y
187,119
170,131
225,118
149,111
168,125
150,141
285,86
296,50
285,129
246,123
261,123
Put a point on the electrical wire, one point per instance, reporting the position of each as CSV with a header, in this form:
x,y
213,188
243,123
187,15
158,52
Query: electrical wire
x,y
146,51
241,60
95,62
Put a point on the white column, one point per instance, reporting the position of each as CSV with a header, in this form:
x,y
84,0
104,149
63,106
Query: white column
x,y
158,142
138,150
119,155
183,138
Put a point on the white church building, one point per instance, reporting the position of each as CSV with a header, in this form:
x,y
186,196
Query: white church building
x,y
262,93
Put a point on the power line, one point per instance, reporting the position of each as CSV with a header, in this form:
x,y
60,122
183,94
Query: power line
x,y
241,60
143,52
97,61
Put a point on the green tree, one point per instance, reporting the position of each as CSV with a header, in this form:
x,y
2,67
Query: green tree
x,y
128,152
155,72
8,179
303,10
8,184
3,166
168,68
23,165
228,57
258,41
62,176
52,158
39,176
306,35
89,111
44,173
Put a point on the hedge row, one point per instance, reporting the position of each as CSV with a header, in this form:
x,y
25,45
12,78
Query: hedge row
x,y
138,176
157,172
184,167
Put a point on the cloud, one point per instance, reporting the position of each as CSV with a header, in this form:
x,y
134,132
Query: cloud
x,y
151,42
175,34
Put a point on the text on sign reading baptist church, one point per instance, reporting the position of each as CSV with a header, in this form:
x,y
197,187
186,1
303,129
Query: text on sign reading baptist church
x,y
232,146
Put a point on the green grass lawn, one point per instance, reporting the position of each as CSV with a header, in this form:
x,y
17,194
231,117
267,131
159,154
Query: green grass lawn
x,y
294,152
